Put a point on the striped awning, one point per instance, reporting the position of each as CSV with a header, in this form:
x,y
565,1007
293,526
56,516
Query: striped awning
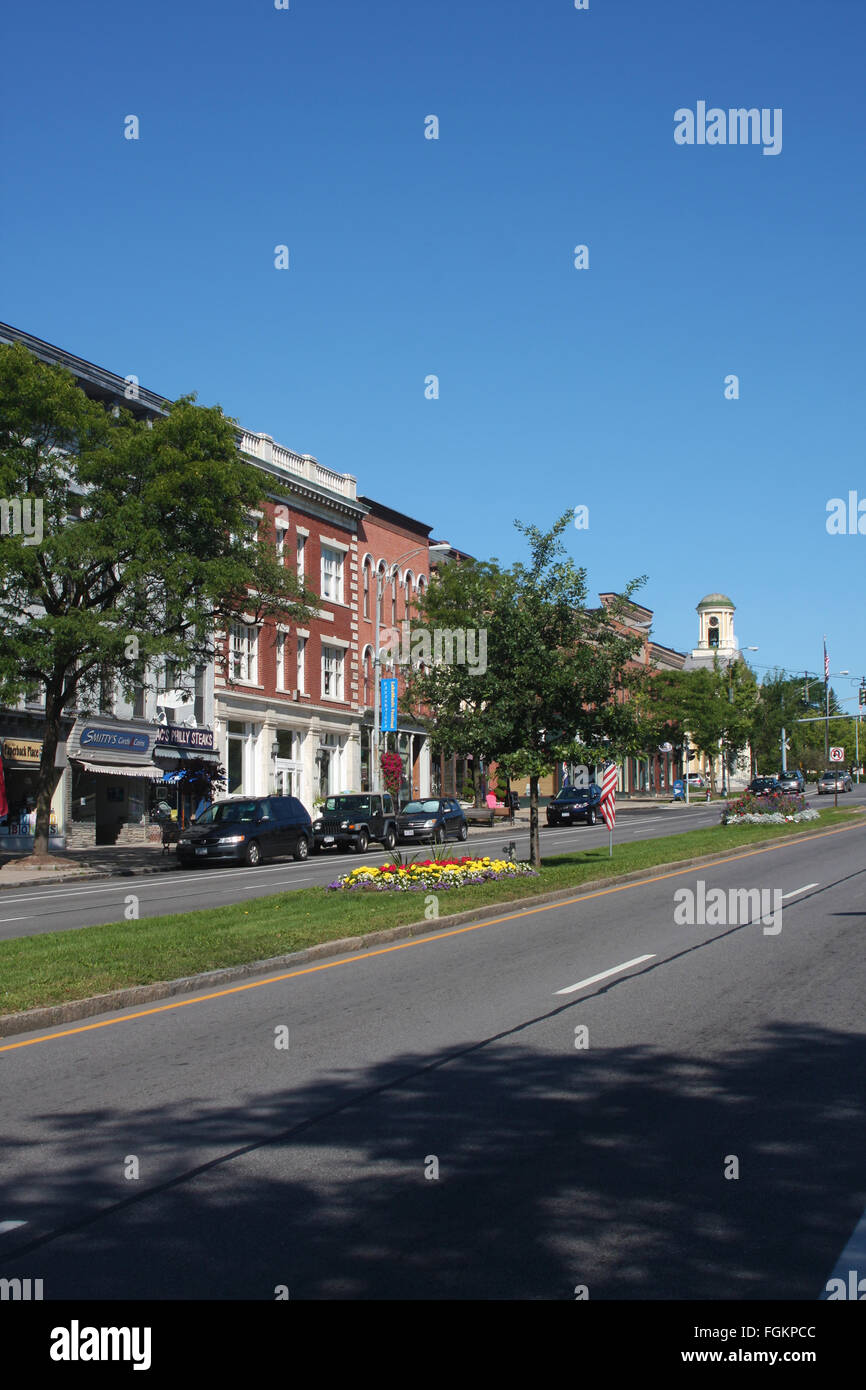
x,y
149,771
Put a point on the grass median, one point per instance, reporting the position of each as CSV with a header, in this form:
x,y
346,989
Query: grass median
x,y
57,967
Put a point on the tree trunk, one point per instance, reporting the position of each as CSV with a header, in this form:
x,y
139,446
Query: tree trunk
x,y
48,774
534,845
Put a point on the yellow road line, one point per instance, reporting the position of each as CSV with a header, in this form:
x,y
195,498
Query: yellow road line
x,y
359,956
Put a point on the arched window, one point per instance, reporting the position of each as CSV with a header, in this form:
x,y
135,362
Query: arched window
x,y
368,676
713,632
394,597
407,594
366,587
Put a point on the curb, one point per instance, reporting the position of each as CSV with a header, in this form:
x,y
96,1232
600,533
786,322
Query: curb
x,y
32,1020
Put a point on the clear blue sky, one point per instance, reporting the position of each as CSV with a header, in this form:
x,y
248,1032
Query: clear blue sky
x,y
410,256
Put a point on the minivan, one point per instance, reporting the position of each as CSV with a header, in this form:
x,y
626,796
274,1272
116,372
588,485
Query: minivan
x,y
247,830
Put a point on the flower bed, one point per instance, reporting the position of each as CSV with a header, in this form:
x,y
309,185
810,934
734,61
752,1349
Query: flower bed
x,y
428,875
767,810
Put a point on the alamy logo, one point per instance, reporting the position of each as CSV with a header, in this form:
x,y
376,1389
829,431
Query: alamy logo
x,y
21,517
738,907
448,646
855,1290
20,1290
77,1343
847,520
736,126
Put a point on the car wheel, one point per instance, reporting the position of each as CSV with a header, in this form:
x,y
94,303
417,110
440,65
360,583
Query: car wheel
x,y
464,831
362,841
252,854
590,817
439,836
389,840
302,848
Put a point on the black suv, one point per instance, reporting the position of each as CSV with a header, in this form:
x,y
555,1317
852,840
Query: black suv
x,y
573,804
353,819
247,830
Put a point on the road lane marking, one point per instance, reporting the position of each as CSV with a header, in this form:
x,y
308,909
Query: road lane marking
x,y
10,1226
794,891
361,955
14,919
605,975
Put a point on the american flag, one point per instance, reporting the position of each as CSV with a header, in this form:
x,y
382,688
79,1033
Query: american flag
x,y
608,796
826,662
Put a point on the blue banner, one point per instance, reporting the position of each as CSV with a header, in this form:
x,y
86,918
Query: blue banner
x,y
388,705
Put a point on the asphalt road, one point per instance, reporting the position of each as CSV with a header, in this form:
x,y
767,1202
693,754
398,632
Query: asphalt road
x,y
436,1129
64,907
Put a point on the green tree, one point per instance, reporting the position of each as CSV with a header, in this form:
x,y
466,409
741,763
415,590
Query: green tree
x,y
145,549
553,665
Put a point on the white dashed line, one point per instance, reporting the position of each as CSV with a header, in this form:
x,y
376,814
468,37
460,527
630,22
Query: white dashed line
x,y
605,974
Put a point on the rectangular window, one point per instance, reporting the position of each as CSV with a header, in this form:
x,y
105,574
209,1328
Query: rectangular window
x,y
332,672
302,664
281,544
302,550
200,679
243,657
281,660
332,574
366,591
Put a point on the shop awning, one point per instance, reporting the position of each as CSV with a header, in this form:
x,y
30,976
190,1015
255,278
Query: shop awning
x,y
149,771
185,755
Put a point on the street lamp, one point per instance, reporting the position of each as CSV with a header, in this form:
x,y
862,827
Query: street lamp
x,y
436,549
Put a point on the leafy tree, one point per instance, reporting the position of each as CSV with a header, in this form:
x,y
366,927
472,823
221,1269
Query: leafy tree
x,y
714,706
145,551
553,666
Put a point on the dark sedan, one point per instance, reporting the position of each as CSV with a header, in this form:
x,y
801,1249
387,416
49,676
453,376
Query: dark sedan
x,y
437,819
575,804
764,786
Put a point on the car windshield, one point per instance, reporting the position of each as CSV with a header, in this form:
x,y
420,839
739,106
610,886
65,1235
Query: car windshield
x,y
349,805
417,808
830,776
573,794
224,811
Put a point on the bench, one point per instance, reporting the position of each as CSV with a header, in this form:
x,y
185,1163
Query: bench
x,y
486,815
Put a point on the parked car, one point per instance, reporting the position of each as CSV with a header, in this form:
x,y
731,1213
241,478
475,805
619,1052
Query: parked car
x,y
247,830
352,819
834,780
792,781
763,786
436,818
574,804
695,779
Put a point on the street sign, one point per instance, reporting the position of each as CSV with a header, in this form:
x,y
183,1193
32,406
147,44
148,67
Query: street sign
x,y
388,704
837,755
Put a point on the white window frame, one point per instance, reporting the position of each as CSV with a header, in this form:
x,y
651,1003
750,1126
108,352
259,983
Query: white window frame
x,y
332,564
333,672
282,533
280,657
302,554
244,654
303,638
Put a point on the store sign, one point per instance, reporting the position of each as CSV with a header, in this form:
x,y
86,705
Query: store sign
x,y
111,742
21,752
388,704
181,736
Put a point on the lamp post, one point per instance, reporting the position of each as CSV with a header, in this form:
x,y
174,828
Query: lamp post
x,y
827,679
375,771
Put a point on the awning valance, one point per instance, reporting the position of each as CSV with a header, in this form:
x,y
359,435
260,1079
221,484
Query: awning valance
x,y
149,771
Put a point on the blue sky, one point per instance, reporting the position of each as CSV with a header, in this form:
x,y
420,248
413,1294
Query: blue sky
x,y
454,257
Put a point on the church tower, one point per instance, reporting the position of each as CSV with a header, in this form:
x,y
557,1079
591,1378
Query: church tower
x,y
716,636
